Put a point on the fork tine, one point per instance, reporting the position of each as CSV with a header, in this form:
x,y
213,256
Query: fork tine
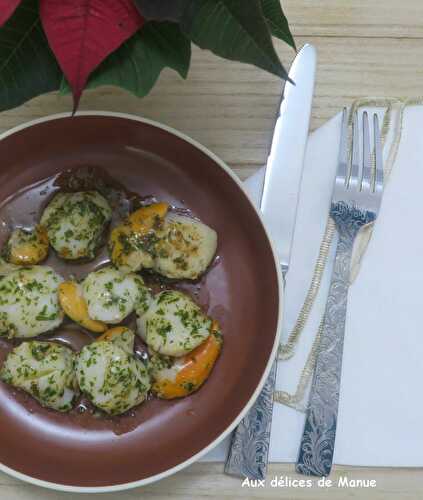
x,y
353,179
378,155
341,174
367,160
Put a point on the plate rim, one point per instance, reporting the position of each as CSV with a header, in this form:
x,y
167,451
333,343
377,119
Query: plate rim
x,y
244,411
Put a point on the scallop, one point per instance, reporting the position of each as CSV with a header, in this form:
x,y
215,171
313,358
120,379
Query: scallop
x,y
75,223
132,243
111,296
109,374
173,324
29,303
174,245
185,247
74,305
45,370
179,377
27,247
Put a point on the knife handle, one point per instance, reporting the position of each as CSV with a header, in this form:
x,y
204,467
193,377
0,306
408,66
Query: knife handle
x,y
250,441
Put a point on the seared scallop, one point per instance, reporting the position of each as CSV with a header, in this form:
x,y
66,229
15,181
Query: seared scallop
x,y
179,377
111,296
185,247
75,306
174,324
27,247
174,245
75,223
109,374
132,243
28,302
45,370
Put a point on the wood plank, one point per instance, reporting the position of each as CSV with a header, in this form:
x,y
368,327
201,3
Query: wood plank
x,y
358,18
205,481
230,107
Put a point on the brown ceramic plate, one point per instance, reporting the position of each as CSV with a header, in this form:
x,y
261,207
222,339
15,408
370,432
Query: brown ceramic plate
x,y
79,452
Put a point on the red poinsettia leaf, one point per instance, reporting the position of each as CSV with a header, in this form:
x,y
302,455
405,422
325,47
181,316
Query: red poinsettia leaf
x,y
7,8
82,33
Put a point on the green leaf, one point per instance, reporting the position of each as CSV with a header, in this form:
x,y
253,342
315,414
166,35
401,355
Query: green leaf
x,y
277,21
163,10
137,64
233,31
27,65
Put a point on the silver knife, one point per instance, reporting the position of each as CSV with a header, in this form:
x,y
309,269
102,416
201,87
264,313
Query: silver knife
x,y
250,441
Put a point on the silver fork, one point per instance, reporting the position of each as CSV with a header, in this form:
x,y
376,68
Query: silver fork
x,y
355,202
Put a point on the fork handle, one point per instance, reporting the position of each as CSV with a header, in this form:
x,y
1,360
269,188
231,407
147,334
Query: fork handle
x,y
250,441
318,440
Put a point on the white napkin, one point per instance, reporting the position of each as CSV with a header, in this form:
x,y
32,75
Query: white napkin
x,y
381,409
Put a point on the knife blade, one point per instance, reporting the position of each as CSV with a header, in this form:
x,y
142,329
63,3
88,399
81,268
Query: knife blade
x,y
286,158
248,453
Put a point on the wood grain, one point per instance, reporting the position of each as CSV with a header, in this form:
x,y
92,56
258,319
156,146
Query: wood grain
x,y
207,481
359,18
365,48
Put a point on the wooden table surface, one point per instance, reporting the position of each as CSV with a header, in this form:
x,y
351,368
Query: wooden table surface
x,y
365,48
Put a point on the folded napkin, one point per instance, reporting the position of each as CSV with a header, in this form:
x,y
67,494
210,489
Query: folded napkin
x,y
380,410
